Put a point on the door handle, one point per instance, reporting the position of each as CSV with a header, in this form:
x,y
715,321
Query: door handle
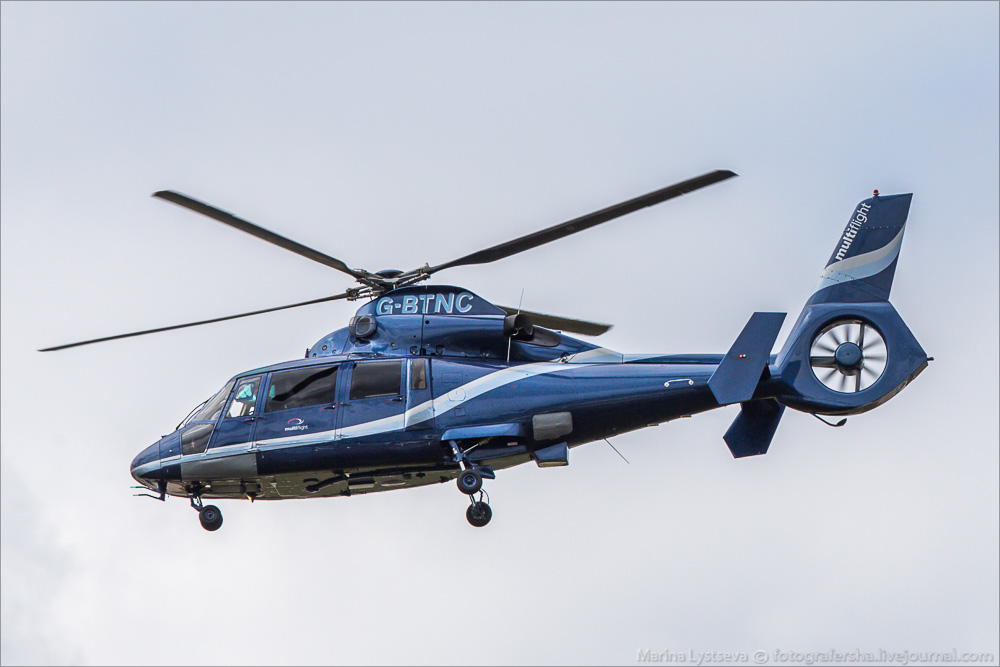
x,y
330,407
248,420
397,399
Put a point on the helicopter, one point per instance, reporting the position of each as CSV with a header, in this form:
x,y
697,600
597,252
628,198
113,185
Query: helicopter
x,y
432,383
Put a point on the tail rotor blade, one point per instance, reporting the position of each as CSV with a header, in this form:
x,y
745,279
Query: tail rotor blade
x,y
868,377
835,333
825,346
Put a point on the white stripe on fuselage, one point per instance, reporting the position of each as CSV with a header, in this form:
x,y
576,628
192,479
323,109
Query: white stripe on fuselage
x,y
417,414
440,405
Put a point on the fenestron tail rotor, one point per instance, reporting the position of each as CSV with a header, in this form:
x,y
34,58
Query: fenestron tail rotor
x,y
848,356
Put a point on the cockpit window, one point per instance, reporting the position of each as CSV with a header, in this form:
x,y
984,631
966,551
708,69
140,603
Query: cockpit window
x,y
190,417
245,399
212,407
195,439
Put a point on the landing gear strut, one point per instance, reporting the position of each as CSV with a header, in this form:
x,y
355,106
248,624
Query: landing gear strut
x,y
209,515
470,482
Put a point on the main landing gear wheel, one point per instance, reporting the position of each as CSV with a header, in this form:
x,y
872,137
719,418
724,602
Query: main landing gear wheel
x,y
211,517
479,514
470,481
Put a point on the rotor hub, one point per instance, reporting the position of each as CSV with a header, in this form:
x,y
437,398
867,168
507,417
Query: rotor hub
x,y
849,356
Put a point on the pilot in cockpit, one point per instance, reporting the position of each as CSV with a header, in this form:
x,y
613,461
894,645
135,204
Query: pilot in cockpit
x,y
245,400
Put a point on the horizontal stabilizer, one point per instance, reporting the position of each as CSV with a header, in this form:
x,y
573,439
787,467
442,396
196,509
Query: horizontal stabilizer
x,y
753,428
736,378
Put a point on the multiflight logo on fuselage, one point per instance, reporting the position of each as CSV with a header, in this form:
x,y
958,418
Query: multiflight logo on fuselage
x,y
296,424
425,304
852,230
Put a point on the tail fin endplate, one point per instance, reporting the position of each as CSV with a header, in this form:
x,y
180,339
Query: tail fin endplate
x,y
736,378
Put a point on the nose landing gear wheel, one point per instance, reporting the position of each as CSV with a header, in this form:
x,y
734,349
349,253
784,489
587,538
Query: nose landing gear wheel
x,y
479,514
470,481
210,517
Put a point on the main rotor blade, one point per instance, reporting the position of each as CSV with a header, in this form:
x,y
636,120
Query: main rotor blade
x,y
254,230
194,324
561,323
586,222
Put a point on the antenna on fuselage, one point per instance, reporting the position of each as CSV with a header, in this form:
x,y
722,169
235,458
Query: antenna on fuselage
x,y
510,340
616,451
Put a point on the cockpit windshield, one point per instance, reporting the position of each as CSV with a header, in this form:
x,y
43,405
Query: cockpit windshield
x,y
190,416
210,409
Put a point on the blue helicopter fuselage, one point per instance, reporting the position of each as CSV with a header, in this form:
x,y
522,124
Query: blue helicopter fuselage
x,y
378,405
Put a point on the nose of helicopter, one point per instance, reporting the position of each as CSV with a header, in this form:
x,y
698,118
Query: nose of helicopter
x,y
146,464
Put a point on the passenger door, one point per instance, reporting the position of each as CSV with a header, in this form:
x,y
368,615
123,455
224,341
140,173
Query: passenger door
x,y
374,402
299,407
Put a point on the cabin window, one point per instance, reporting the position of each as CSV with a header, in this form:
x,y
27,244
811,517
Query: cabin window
x,y
377,378
418,374
301,388
245,400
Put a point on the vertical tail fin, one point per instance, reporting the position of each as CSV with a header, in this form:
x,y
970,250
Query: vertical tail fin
x,y
863,263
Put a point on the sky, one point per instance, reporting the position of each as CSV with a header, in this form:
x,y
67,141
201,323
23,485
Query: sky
x,y
390,135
